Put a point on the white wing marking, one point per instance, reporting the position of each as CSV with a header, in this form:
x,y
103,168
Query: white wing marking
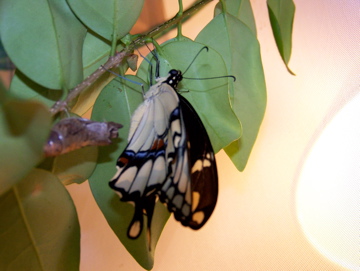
x,y
184,179
158,173
140,181
160,123
142,132
136,119
127,178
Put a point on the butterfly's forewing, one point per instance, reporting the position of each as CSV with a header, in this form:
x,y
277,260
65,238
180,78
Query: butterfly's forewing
x,y
142,167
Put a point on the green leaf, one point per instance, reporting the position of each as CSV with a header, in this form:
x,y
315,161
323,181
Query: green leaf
x,y
240,50
23,87
39,229
75,166
117,102
96,52
281,13
210,98
44,39
24,127
240,9
110,19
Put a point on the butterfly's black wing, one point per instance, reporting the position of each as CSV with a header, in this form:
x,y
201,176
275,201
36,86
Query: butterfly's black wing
x,y
204,177
196,157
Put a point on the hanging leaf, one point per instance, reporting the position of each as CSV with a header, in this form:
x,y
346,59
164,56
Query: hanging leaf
x,y
281,14
49,51
110,19
240,9
24,127
39,229
240,50
76,166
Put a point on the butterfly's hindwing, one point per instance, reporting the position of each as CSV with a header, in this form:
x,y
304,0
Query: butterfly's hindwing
x,y
204,178
193,189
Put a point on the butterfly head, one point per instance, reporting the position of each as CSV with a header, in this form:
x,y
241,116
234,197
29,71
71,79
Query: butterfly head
x,y
174,77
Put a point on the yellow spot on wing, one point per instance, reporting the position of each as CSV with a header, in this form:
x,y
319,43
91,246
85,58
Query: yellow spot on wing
x,y
195,200
198,166
198,217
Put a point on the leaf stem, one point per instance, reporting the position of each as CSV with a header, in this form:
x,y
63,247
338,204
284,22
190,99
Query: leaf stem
x,y
115,60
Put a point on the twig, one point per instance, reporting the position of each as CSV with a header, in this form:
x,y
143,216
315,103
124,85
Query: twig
x,y
118,57
73,93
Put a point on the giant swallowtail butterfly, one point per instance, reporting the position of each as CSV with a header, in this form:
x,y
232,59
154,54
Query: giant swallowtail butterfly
x,y
169,156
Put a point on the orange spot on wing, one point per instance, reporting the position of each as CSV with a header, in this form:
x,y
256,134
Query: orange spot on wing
x,y
123,160
158,144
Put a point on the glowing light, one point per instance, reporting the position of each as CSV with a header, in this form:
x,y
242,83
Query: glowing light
x,y
328,192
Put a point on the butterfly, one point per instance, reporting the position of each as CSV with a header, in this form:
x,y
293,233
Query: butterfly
x,y
168,157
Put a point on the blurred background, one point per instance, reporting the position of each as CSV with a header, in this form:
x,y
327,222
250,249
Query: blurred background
x,y
296,205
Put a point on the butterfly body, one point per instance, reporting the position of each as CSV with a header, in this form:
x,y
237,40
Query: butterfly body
x,y
169,156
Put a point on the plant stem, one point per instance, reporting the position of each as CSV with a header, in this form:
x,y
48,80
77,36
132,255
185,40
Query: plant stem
x,y
115,60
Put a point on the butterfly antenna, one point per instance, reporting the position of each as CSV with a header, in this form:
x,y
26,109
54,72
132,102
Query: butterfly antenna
x,y
157,67
151,66
216,77
148,61
205,47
